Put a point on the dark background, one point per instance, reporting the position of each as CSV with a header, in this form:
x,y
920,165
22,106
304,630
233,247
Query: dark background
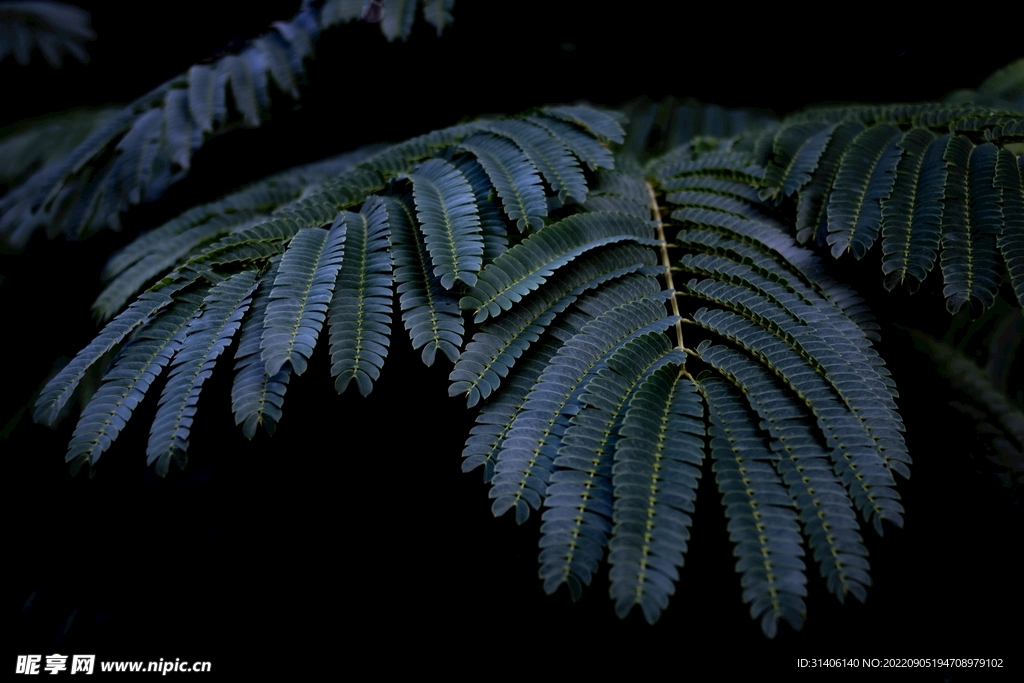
x,y
352,531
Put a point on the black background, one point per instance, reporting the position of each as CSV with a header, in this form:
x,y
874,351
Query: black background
x,y
351,536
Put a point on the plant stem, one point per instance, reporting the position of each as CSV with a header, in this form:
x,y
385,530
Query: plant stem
x,y
656,212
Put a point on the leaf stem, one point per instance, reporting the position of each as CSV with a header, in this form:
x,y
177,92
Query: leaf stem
x,y
656,212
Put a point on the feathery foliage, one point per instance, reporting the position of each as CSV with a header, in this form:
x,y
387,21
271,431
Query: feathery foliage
x,y
577,343
136,154
54,27
621,309
939,183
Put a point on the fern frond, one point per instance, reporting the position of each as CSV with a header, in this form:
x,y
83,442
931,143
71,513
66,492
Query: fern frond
x,y
248,86
548,155
579,494
795,153
492,225
777,306
723,165
588,150
203,98
971,222
916,200
619,192
526,266
59,389
270,237
398,18
495,348
782,254
761,522
29,145
302,291
205,339
496,417
401,158
812,201
446,210
342,191
149,145
865,178
156,251
589,414
257,397
54,27
163,257
360,311
258,199
728,189
438,13
911,172
431,315
513,176
620,184
526,458
830,524
601,124
339,11
245,247
657,465
1006,133
138,365
860,446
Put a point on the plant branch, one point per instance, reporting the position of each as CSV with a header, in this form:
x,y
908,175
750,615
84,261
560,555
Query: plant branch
x,y
656,212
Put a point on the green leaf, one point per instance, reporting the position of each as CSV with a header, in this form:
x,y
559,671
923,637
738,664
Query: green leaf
x,y
911,215
861,448
829,521
438,13
161,257
795,154
526,266
864,179
526,459
494,349
205,339
431,315
492,225
59,389
588,150
599,123
578,500
761,523
812,200
360,312
301,294
125,384
514,178
398,19
655,473
496,417
970,226
446,209
257,397
548,155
